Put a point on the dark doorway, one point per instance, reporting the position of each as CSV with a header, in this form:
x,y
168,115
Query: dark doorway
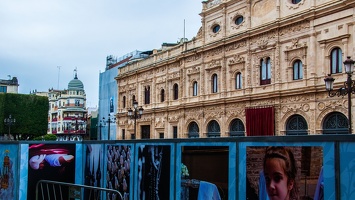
x,y
145,132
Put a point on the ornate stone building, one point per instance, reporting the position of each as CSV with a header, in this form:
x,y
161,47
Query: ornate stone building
x,y
247,55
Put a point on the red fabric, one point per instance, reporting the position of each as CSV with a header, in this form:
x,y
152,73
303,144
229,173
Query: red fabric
x,y
260,121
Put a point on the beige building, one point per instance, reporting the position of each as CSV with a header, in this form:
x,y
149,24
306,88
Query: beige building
x,y
255,67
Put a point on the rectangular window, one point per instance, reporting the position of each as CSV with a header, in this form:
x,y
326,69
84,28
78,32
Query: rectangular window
x,y
123,134
175,131
161,135
3,89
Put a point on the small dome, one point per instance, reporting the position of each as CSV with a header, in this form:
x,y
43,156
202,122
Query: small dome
x,y
75,84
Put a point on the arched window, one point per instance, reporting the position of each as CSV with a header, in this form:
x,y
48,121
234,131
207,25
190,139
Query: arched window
x,y
335,123
336,61
213,129
193,130
265,71
194,92
296,1
162,95
124,102
176,91
296,125
236,128
238,81
147,95
297,70
214,83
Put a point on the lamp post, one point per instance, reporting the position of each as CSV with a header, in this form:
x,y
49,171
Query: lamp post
x,y
9,122
100,126
135,114
347,89
109,121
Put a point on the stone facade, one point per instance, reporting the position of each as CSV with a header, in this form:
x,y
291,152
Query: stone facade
x,y
235,39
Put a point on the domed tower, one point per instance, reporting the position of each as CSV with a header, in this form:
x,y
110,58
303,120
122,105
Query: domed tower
x,y
76,84
71,112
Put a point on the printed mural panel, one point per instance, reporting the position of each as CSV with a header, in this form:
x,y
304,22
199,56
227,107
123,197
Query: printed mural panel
x,y
55,162
347,170
93,169
206,171
286,171
8,174
154,172
118,166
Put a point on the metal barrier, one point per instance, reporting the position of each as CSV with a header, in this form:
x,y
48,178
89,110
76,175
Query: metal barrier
x,y
47,190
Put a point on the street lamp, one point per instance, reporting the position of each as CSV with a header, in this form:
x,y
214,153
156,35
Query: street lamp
x,y
347,89
100,126
109,121
135,114
9,122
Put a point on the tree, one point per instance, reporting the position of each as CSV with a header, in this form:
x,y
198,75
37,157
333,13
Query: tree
x,y
30,112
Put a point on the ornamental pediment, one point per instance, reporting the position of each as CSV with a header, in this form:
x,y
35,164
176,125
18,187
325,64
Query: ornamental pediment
x,y
193,70
213,64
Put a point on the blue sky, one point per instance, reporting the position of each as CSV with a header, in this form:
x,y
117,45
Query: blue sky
x,y
37,36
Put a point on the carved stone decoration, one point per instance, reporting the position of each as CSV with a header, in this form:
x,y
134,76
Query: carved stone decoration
x,y
213,64
236,59
236,45
333,104
294,28
295,107
193,70
262,40
213,3
214,52
193,58
159,122
262,43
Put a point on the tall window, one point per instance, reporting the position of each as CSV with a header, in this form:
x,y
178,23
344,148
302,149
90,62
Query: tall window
x,y
176,91
133,99
175,132
336,61
214,83
124,102
297,70
147,95
265,71
238,81
194,93
162,95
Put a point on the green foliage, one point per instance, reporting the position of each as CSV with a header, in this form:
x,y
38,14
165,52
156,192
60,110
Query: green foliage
x,y
30,112
46,137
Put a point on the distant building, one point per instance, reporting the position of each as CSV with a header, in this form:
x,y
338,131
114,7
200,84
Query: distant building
x,y
67,116
108,92
9,86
